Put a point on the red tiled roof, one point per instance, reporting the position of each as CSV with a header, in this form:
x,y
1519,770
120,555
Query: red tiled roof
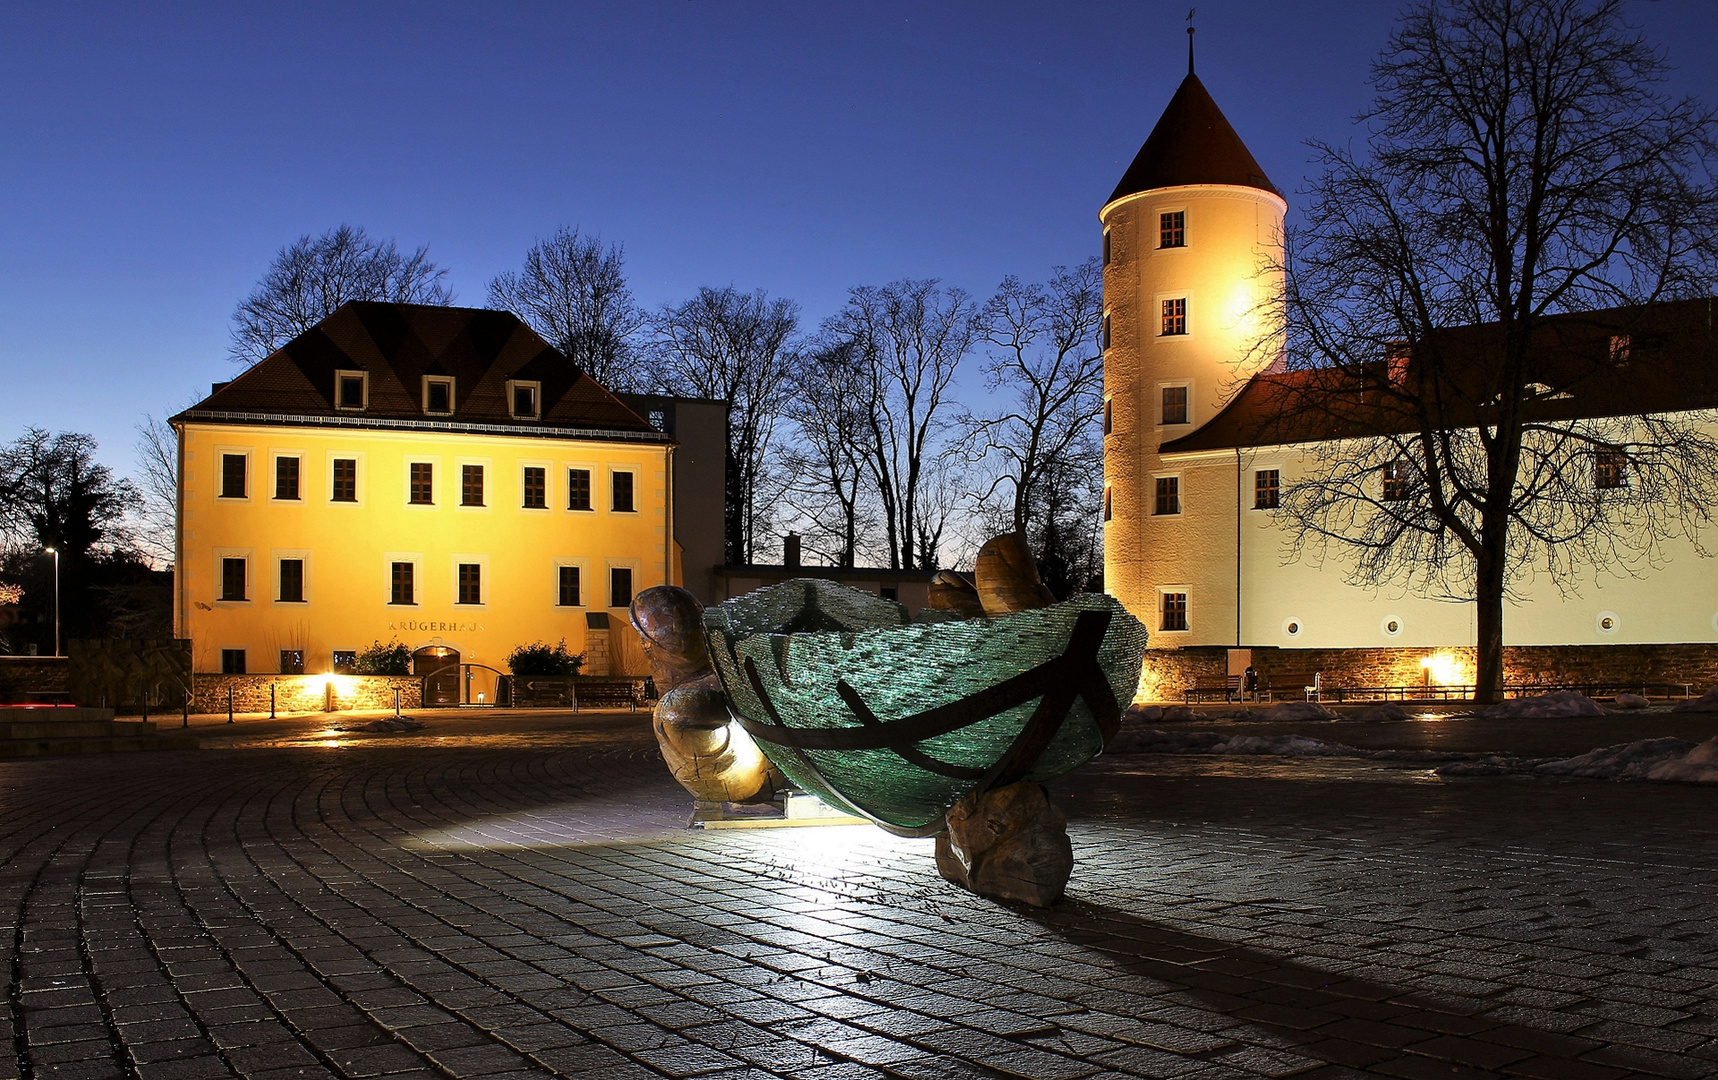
x,y
398,344
1193,143
1671,366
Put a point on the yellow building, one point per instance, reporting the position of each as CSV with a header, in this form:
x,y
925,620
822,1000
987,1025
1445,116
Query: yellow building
x,y
436,476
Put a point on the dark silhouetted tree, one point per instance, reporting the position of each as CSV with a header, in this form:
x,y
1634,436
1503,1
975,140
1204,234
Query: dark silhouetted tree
x,y
573,292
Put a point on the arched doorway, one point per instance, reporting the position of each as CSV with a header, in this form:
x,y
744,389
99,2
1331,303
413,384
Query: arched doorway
x,y
441,664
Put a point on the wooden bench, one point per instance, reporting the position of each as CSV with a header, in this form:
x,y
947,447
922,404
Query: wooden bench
x,y
1294,685
605,694
1227,685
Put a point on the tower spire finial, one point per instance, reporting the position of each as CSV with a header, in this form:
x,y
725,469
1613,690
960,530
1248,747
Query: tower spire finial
x,y
1190,12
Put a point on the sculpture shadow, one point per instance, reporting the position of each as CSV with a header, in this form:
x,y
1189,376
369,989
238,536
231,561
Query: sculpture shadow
x,y
1324,1015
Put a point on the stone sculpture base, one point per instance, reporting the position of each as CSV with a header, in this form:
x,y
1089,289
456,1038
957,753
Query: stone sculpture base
x,y
1009,844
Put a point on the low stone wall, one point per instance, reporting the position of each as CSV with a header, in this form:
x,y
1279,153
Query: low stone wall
x,y
22,676
304,693
1168,673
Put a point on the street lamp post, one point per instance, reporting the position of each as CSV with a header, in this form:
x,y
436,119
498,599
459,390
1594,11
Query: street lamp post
x,y
55,552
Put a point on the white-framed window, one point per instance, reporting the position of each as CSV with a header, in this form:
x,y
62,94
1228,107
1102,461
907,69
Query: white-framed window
x,y
624,581
421,476
1176,318
402,578
1166,495
291,575
470,580
1174,614
1398,480
1267,487
535,485
438,395
571,585
232,569
1174,403
233,478
623,491
1171,228
524,399
351,391
1611,470
286,484
345,478
580,495
475,477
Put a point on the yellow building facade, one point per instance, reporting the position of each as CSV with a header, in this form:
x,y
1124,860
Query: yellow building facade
x,y
437,477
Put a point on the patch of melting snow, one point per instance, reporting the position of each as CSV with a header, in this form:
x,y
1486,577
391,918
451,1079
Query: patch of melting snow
x,y
1676,760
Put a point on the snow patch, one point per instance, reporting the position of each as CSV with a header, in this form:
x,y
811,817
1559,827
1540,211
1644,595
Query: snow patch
x,y
1707,702
1556,703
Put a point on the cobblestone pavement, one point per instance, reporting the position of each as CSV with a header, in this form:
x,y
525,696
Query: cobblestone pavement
x,y
510,897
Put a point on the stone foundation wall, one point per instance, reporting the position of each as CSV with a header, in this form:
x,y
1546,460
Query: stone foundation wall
x,y
304,693
1168,673
21,676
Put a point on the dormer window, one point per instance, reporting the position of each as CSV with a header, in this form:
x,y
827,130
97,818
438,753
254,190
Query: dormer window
x,y
351,391
524,399
438,395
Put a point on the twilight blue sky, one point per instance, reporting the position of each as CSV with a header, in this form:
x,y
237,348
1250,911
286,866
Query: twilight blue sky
x,y
154,157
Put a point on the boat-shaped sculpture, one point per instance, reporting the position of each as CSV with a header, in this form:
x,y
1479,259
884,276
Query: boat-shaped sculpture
x,y
895,720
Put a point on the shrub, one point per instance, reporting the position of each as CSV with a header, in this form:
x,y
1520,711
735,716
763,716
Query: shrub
x,y
379,659
541,658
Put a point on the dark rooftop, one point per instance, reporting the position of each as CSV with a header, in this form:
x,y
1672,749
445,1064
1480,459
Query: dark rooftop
x,y
396,345
1589,365
1193,143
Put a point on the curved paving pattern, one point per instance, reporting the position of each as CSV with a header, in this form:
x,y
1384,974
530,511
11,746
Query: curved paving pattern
x,y
522,901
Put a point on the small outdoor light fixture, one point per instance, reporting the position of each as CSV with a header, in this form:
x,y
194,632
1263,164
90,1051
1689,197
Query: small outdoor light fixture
x,y
55,552
1607,622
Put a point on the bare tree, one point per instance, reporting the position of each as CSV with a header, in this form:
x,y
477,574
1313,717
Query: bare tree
x,y
825,464
908,339
732,347
1044,372
311,277
157,489
1523,166
573,292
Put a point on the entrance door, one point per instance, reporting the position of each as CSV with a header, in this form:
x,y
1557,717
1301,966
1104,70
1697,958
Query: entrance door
x,y
441,665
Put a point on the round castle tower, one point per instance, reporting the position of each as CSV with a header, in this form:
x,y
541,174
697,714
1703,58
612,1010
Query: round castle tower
x,y
1192,247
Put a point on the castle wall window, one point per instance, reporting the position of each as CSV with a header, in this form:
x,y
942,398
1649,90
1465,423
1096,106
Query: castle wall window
x,y
232,661
345,486
1106,247
1175,317
471,485
292,581
620,586
1172,229
1610,469
567,581
438,396
1104,332
351,390
422,487
1107,513
623,495
402,585
232,579
1267,489
1175,405
1109,418
292,661
1168,495
536,488
1173,611
286,477
233,469
578,489
470,584
1396,482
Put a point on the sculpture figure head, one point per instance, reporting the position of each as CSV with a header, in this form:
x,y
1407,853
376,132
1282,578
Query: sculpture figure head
x,y
670,625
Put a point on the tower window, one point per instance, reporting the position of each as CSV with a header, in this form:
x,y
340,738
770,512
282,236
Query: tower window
x,y
536,485
1610,469
286,478
471,485
233,476
1174,611
1175,405
578,489
422,491
1104,332
1106,503
1109,416
345,480
1396,480
1106,247
1168,495
1267,487
1172,229
1175,317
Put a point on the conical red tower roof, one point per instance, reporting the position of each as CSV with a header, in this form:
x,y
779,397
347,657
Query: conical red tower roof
x,y
1193,143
